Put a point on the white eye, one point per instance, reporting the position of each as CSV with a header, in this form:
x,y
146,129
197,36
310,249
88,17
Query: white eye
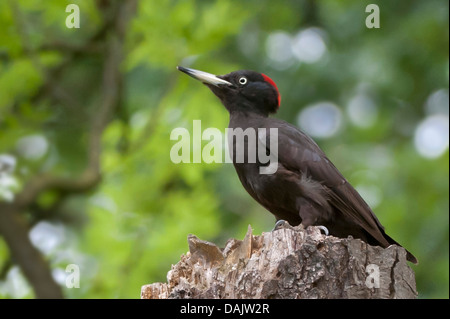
x,y
243,80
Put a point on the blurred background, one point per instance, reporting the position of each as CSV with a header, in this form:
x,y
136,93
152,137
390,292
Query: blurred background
x,y
86,114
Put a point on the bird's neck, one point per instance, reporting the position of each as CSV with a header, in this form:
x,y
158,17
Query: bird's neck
x,y
245,119
239,107
249,114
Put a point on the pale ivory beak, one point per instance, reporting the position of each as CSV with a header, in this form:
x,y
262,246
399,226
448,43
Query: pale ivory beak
x,y
206,78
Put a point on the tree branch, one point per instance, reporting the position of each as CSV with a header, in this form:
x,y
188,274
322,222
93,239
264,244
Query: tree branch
x,y
14,230
13,227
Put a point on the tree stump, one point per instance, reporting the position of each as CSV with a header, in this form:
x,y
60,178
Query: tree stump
x,y
287,263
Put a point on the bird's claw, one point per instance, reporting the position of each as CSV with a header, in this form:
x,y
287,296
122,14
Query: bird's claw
x,y
278,224
324,229
282,223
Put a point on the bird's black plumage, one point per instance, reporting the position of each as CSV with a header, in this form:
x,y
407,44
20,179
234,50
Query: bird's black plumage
x,y
306,188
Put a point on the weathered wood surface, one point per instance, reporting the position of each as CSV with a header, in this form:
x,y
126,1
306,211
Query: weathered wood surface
x,y
287,263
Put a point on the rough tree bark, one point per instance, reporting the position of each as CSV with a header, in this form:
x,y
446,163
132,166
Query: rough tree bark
x,y
287,263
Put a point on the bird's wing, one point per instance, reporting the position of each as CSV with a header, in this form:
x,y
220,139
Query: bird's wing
x,y
298,152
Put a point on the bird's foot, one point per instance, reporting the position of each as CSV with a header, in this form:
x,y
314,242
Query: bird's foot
x,y
279,224
324,229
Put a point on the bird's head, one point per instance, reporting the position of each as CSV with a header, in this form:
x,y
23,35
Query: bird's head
x,y
243,90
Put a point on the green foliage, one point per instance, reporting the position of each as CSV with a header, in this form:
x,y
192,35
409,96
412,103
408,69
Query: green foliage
x,y
129,230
